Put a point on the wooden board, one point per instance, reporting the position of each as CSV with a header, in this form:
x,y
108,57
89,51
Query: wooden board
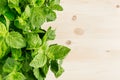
x,y
91,28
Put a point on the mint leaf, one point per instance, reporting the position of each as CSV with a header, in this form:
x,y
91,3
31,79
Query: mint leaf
x,y
3,30
15,76
56,68
50,35
16,53
21,24
14,4
3,6
11,65
57,52
39,60
51,16
37,74
15,40
37,18
33,41
4,49
57,7
26,14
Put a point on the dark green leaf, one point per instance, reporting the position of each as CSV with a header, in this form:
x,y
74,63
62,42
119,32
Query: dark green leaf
x,y
58,52
10,15
3,6
16,53
15,40
56,68
39,2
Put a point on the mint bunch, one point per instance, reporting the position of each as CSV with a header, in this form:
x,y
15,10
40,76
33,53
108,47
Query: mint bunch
x,y
24,50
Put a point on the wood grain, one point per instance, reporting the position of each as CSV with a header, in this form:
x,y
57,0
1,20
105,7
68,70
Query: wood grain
x,y
91,28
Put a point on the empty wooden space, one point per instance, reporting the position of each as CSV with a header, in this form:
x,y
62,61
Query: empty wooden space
x,y
91,28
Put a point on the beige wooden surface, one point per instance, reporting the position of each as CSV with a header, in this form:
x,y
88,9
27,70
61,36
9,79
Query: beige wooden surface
x,y
91,28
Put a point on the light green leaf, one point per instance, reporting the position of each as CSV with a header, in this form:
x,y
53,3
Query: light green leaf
x,y
3,30
15,40
33,41
21,24
26,14
14,4
16,53
39,60
7,23
57,7
37,18
15,76
4,49
1,77
11,65
37,74
51,16
50,35
57,52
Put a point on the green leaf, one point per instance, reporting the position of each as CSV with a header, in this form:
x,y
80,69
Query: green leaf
x,y
7,23
10,15
14,4
53,2
1,77
37,74
15,76
3,6
37,18
50,35
56,68
26,14
11,65
21,24
4,49
15,40
3,30
57,52
51,16
39,2
44,70
39,60
33,41
57,7
16,53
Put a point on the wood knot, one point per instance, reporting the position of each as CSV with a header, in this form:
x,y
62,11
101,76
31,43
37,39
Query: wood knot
x,y
74,18
68,42
79,31
117,6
